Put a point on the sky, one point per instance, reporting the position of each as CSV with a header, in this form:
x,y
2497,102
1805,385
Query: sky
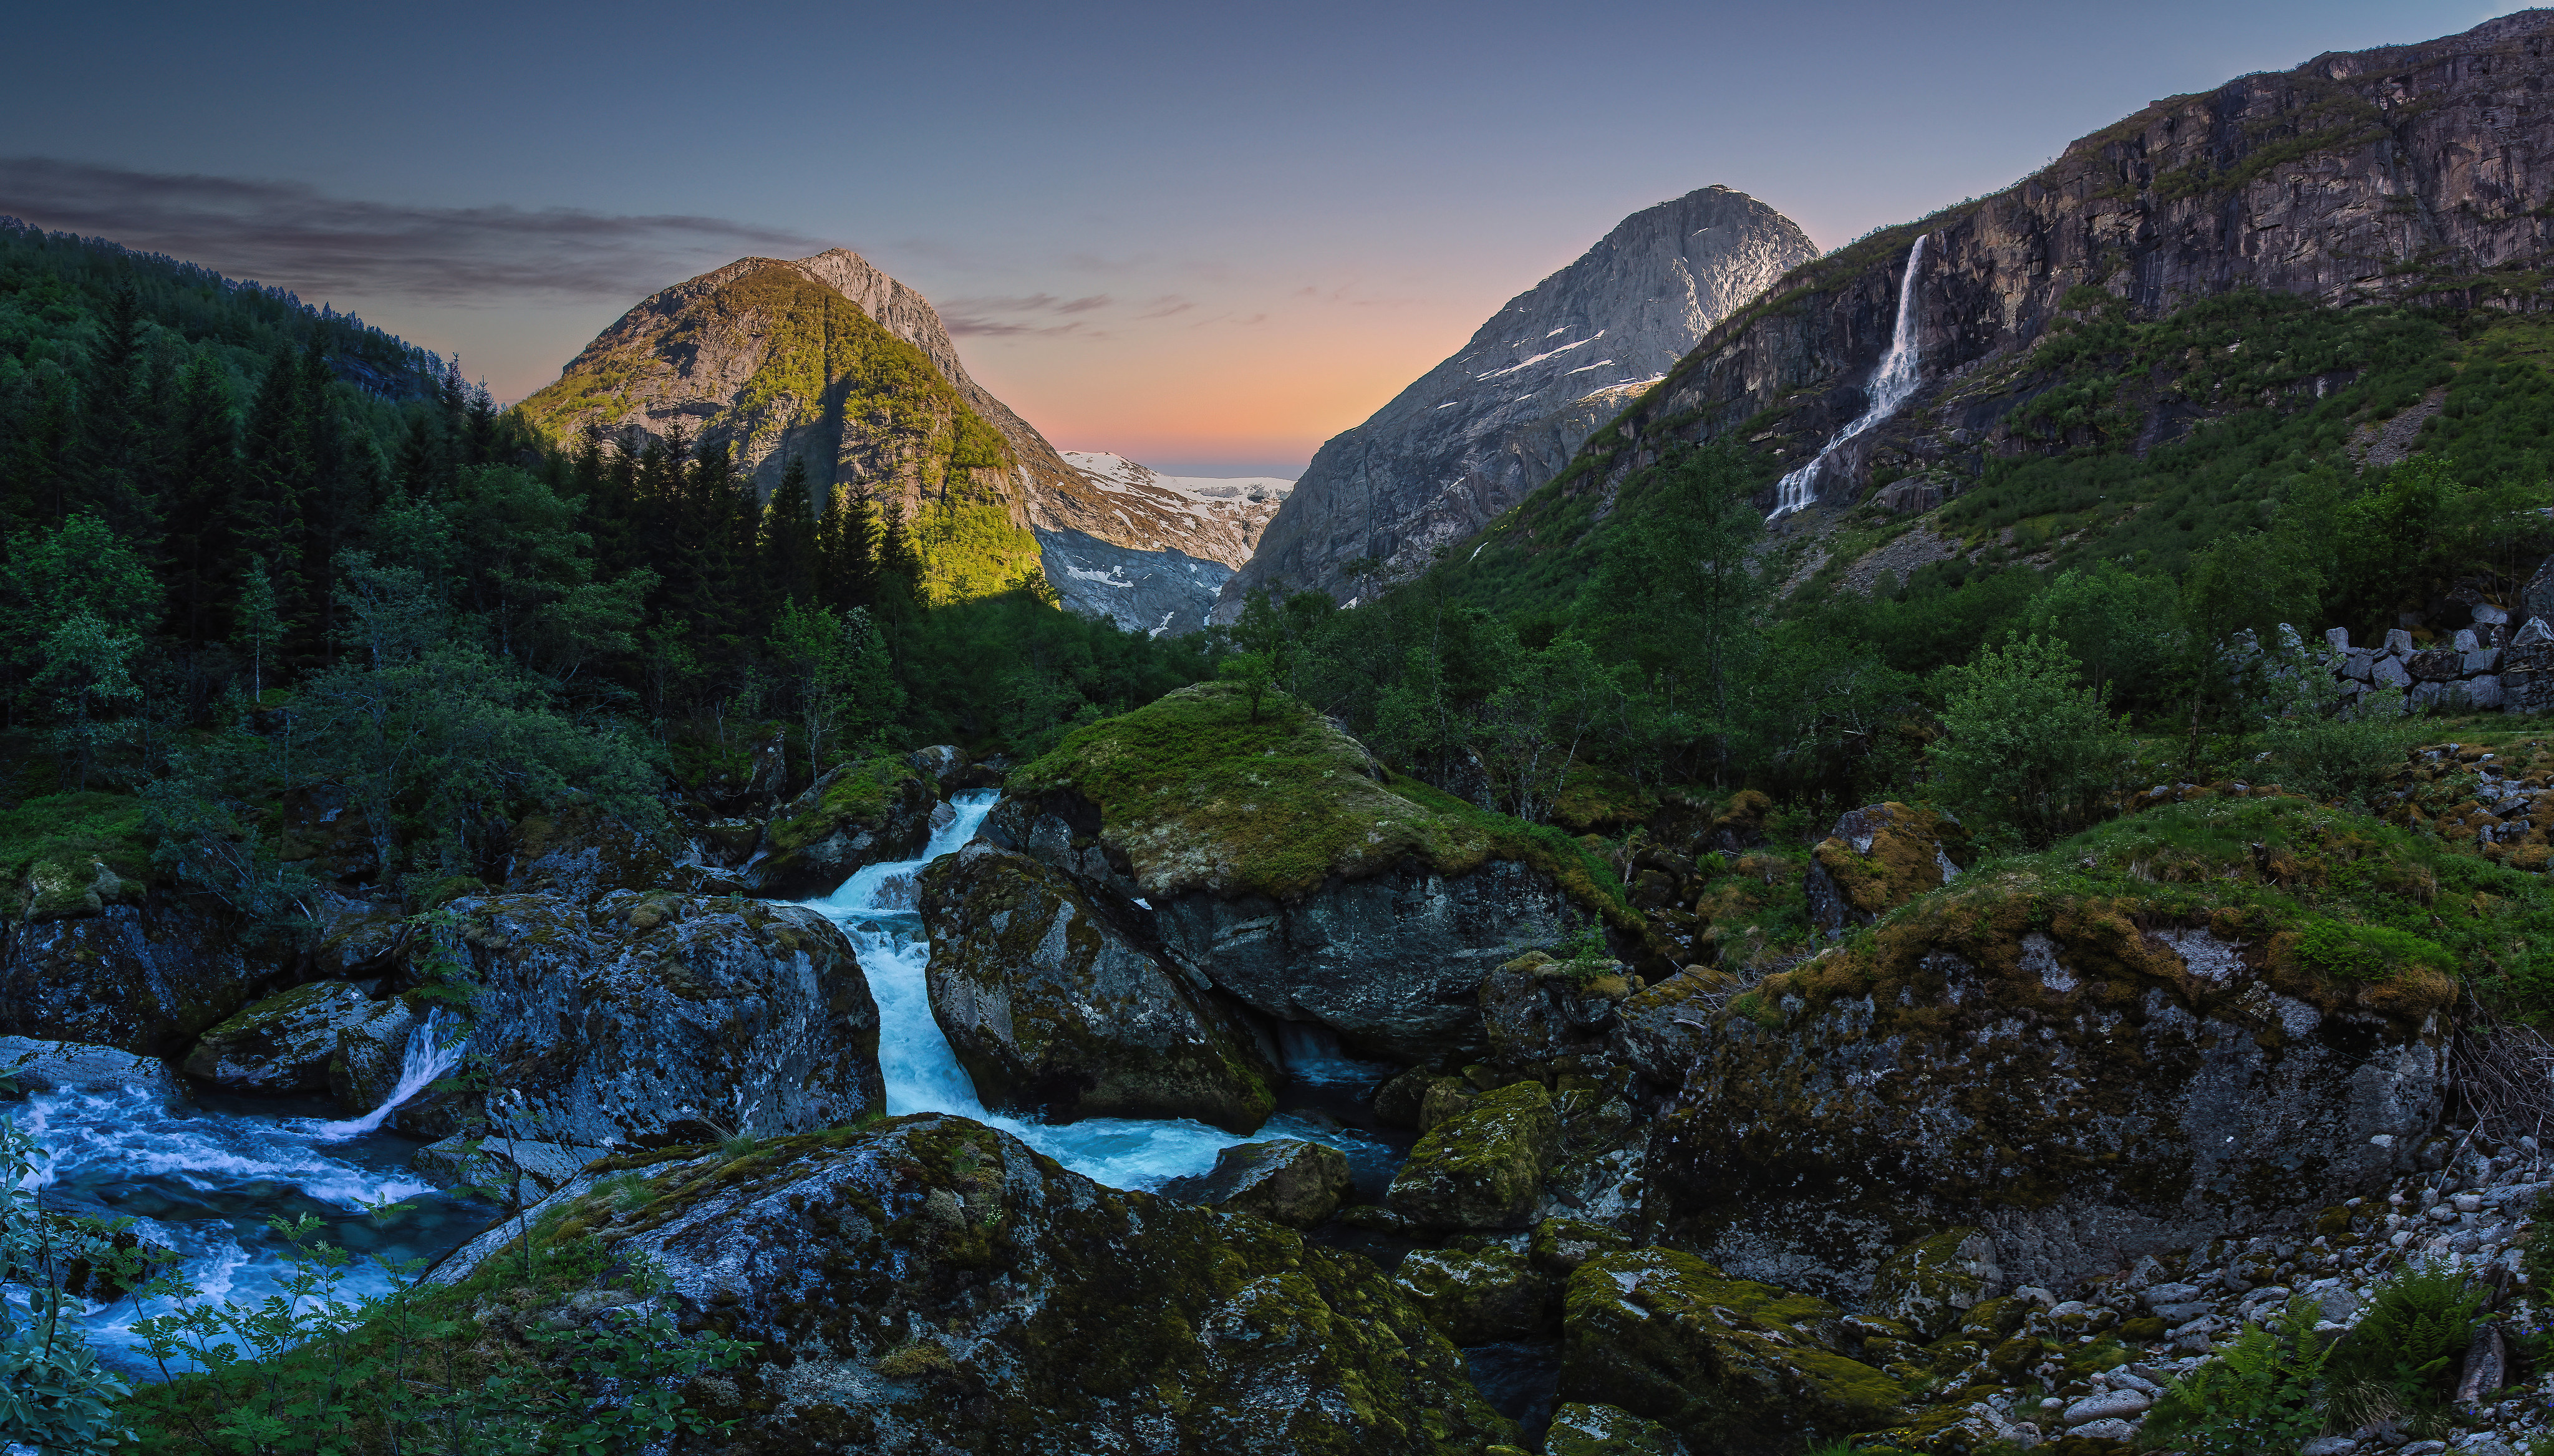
x,y
1205,236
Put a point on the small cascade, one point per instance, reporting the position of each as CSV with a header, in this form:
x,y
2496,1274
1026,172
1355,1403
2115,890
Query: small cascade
x,y
1312,1053
1901,371
875,909
432,1049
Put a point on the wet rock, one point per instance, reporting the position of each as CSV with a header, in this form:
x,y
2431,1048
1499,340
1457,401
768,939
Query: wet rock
x,y
1483,1296
1053,1005
1481,1168
509,1169
283,1044
1932,1284
663,1019
1535,1008
1563,1244
1728,1365
923,1283
1659,1030
148,978
1580,1429
1295,1183
868,813
372,1052
728,842
32,1065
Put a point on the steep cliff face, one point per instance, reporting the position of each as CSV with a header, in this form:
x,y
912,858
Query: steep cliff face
x,y
2410,174
1151,551
1500,418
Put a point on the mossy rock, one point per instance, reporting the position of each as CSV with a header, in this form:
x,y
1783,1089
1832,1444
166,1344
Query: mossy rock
x,y
1481,1297
1933,1283
1053,1004
1563,1244
1879,857
282,1044
1483,1167
876,811
1728,1365
147,978
1286,1180
1581,1429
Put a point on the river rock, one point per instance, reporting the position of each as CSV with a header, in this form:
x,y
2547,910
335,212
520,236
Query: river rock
x,y
1480,1168
1281,867
647,1020
31,1064
1053,1005
283,1044
2083,1094
1295,1183
878,811
1581,1429
147,978
509,1170
1477,1297
930,1284
1731,1367
1535,1008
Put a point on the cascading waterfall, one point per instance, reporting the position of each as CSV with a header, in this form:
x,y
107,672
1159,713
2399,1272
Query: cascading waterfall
x,y
203,1178
875,907
1901,371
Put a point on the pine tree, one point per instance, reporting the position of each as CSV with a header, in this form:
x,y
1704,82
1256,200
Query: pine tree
x,y
278,472
204,468
790,549
114,475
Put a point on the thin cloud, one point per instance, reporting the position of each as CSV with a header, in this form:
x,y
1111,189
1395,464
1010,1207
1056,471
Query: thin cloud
x,y
986,316
1165,306
292,235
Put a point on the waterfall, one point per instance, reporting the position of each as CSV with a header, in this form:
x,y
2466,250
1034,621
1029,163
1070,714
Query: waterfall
x,y
1901,371
427,1058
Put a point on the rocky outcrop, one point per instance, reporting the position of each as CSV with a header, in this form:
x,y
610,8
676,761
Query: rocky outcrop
x,y
283,1044
145,978
1295,1183
1877,859
1280,866
649,1020
1503,416
931,1283
1054,1005
2083,1087
870,813
1482,1168
28,1066
1482,1295
2411,172
1210,518
579,852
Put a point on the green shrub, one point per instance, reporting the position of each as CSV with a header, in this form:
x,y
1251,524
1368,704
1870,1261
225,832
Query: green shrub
x,y
2259,1396
2402,1353
2025,752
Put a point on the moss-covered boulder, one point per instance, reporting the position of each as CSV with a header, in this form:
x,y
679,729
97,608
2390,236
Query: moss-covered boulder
x,y
876,811
146,979
1877,859
1535,1008
1280,861
649,1020
579,850
2123,1048
1054,1005
1480,1296
1932,1284
929,1284
1581,1429
1483,1167
1295,1183
282,1044
1728,1365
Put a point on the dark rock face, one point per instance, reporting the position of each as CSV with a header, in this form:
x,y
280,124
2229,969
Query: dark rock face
x,y
1480,430
144,978
1155,593
1394,963
932,1285
2083,1095
644,1021
1051,1004
1295,1183
2323,181
30,1066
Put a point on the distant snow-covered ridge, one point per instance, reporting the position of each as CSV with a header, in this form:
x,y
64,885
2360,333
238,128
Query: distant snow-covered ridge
x,y
1211,518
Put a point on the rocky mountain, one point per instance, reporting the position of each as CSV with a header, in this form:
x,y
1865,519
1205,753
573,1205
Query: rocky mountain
x,y
1152,549
1501,417
2413,174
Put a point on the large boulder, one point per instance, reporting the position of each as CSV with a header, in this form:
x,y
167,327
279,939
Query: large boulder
x,y
1295,1183
878,811
930,1284
1280,862
649,1020
283,1044
1732,1367
579,852
1481,1297
1053,1004
1877,859
1581,1429
1482,1167
2080,1077
28,1066
148,978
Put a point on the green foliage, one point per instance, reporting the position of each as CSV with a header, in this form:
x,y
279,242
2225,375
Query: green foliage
x,y
2336,754
78,829
2369,952
2024,750
2415,1328
2259,1395
53,1393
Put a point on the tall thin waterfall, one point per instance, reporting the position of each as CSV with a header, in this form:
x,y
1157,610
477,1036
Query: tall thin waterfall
x,y
1901,371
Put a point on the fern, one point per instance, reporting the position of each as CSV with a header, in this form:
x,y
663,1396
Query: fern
x,y
2416,1326
2259,1396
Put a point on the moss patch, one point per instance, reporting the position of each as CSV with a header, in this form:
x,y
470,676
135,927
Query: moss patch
x,y
52,848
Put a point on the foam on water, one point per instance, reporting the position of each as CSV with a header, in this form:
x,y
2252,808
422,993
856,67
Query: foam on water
x,y
875,908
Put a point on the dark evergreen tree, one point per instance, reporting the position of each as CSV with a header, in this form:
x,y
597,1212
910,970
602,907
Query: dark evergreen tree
x,y
791,562
279,471
204,476
114,475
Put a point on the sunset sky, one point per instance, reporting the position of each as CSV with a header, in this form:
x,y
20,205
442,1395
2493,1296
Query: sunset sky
x,y
1206,237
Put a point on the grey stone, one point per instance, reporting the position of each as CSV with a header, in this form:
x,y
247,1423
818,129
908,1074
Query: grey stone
x,y
2107,1405
2359,664
1580,1429
2337,637
1053,1005
2110,1428
2327,1446
1480,1296
282,1044
33,1064
2463,641
2388,672
1288,1180
826,844
147,977
2535,634
1522,395
2170,1293
2489,614
2398,642
666,1019
2481,660
504,1166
